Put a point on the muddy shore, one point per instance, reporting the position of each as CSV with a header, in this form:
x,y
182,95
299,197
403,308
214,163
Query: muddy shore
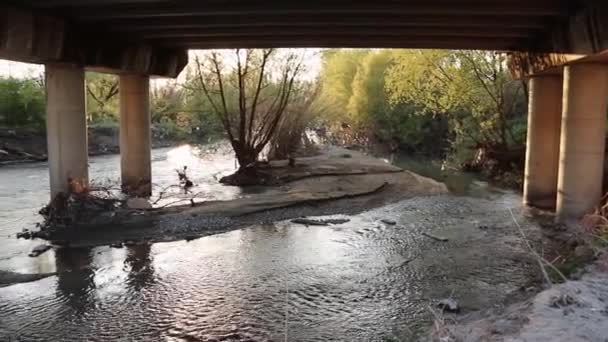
x,y
335,182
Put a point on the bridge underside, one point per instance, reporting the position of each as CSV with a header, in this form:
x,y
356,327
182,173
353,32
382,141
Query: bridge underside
x,y
559,44
151,36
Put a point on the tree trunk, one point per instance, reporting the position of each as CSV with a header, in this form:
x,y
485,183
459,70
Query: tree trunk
x,y
244,155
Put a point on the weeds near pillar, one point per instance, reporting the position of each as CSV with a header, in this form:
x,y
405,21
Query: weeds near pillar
x,y
441,327
543,263
594,231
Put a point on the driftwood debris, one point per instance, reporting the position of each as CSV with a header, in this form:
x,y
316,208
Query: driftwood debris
x,y
435,237
39,250
318,222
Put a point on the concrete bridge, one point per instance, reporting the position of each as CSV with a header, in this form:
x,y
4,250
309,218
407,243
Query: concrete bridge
x,y
558,44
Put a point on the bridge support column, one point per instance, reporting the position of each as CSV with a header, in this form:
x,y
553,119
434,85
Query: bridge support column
x,y
583,136
542,146
66,127
135,159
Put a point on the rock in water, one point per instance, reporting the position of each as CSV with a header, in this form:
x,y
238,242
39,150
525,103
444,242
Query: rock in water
x,y
448,305
389,222
138,203
39,250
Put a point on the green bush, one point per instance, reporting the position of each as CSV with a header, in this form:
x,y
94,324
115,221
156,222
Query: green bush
x,y
22,103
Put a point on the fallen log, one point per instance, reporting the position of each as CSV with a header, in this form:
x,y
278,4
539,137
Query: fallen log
x,y
435,237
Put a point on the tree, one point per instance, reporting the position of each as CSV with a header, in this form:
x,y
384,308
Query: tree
x,y
22,102
102,96
484,105
291,132
249,91
339,69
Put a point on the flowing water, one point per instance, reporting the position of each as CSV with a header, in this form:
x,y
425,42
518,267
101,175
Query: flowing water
x,y
360,281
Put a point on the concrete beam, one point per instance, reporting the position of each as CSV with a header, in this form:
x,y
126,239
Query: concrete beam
x,y
135,135
66,126
542,146
583,135
526,64
30,37
585,32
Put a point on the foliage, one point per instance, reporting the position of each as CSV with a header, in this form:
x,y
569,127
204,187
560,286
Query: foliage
x,y
22,102
102,97
291,132
249,91
484,106
354,89
339,68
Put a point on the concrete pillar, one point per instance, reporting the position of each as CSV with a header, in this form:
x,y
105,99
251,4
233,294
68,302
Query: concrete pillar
x,y
542,146
583,136
66,126
135,159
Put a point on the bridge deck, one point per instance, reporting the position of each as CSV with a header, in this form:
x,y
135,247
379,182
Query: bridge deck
x,y
464,24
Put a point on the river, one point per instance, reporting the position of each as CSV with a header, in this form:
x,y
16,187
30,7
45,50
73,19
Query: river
x,y
360,281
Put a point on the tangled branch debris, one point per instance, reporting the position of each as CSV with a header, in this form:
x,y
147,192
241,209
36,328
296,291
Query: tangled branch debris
x,y
80,203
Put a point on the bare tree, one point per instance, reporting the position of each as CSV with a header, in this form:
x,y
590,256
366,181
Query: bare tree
x,y
249,90
291,133
102,89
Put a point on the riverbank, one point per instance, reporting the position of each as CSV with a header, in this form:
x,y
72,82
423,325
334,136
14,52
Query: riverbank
x,y
337,181
576,310
378,254
22,145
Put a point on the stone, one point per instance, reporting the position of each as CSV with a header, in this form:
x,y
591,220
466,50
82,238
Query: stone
x,y
448,305
191,237
505,327
24,235
138,203
39,250
389,222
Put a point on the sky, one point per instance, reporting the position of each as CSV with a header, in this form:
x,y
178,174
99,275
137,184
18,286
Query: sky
x,y
19,70
26,70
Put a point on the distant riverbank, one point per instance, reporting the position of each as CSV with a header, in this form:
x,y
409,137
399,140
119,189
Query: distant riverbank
x,y
19,145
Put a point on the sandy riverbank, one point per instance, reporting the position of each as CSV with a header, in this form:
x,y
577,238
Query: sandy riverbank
x,y
335,182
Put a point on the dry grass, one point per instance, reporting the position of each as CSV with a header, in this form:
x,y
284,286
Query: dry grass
x,y
594,231
595,225
543,263
441,327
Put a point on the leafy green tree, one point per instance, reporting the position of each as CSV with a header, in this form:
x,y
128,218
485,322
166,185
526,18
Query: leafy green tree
x,y
102,97
339,68
22,102
484,105
368,101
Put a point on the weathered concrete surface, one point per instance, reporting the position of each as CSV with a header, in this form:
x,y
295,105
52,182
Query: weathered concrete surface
x,y
29,36
66,126
583,135
135,134
319,193
572,311
542,145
